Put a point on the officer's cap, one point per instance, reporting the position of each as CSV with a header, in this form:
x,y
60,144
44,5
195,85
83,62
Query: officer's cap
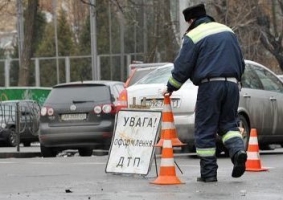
x,y
193,12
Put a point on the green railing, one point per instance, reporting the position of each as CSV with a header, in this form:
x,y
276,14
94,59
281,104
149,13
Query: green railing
x,y
38,94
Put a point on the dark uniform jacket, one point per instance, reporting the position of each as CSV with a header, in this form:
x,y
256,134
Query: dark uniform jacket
x,y
209,50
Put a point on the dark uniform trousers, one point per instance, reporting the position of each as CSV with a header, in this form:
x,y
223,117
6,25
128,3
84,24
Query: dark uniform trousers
x,y
216,113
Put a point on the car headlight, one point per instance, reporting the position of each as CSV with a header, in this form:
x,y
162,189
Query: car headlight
x,y
3,125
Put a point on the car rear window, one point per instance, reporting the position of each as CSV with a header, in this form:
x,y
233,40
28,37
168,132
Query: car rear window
x,y
79,93
138,74
160,75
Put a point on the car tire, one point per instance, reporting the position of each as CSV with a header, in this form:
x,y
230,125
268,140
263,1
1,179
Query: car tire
x,y
13,139
243,123
221,150
85,152
26,144
188,148
47,152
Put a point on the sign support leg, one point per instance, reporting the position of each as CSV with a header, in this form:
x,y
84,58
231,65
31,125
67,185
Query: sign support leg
x,y
155,165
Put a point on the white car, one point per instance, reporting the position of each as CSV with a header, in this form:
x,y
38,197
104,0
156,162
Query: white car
x,y
260,107
183,101
280,76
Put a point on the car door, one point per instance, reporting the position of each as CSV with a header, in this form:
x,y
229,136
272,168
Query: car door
x,y
25,119
273,88
254,100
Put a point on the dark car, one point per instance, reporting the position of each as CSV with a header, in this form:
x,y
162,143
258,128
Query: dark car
x,y
79,115
29,113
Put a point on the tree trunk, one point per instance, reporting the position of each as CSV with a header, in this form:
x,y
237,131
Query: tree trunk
x,y
26,52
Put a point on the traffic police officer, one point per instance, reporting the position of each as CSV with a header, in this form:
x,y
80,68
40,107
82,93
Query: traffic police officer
x,y
211,57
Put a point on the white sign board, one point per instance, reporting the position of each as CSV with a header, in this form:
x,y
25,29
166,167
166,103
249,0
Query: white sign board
x,y
133,141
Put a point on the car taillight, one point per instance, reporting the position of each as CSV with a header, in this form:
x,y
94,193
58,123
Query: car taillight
x,y
97,109
122,101
46,111
106,108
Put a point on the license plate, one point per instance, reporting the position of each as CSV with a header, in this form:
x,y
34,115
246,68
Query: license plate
x,y
69,117
158,103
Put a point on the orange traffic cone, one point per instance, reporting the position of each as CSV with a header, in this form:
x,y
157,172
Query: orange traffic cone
x,y
253,162
168,124
167,174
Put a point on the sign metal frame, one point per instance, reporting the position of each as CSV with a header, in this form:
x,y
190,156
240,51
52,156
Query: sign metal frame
x,y
132,147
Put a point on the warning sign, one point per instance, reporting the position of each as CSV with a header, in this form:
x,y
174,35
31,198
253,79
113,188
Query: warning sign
x,y
133,141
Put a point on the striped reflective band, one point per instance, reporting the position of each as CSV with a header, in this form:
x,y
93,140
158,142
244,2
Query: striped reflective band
x,y
175,83
167,144
167,162
205,30
253,155
168,125
206,152
253,141
231,134
167,108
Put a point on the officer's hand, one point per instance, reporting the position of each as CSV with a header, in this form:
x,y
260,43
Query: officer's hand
x,y
165,92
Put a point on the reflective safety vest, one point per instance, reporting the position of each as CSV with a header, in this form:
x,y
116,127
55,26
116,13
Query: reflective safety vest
x,y
209,50
205,30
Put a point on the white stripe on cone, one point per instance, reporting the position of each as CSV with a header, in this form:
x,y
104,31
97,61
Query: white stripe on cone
x,y
167,108
167,144
168,125
253,155
253,141
167,162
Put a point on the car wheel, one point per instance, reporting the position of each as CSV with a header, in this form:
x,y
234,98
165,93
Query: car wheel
x,y
13,137
221,150
245,130
26,144
85,151
47,151
188,148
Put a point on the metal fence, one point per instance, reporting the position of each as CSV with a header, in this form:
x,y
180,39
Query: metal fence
x,y
49,71
19,118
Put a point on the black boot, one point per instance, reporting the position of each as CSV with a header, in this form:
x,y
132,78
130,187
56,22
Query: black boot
x,y
239,161
207,180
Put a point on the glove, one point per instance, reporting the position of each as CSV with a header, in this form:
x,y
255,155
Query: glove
x,y
165,92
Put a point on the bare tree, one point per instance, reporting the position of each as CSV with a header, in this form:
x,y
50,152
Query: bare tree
x,y
29,31
271,28
158,32
258,25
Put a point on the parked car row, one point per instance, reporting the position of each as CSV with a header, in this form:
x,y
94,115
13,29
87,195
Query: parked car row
x,y
27,128
260,107
79,115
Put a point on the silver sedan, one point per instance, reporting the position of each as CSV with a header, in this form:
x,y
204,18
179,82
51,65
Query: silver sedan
x,y
260,107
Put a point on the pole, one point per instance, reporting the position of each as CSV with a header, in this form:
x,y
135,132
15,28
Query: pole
x,y
18,118
122,45
20,28
110,39
145,41
93,35
54,3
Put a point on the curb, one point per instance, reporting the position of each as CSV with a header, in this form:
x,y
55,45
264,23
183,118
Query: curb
x,y
20,154
26,154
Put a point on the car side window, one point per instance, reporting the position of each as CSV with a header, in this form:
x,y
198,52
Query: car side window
x,y
250,79
117,89
269,81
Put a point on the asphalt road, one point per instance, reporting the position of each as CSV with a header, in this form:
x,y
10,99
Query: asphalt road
x,y
69,176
